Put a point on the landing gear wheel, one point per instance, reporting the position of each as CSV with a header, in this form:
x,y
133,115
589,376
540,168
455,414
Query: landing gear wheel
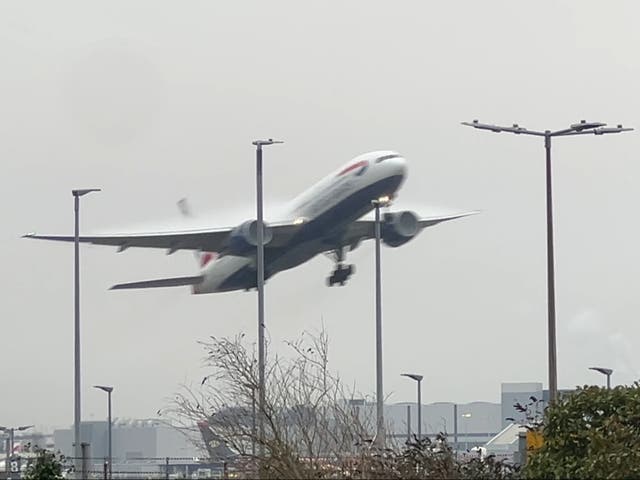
x,y
340,275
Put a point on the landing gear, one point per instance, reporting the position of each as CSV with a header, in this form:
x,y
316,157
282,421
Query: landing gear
x,y
341,274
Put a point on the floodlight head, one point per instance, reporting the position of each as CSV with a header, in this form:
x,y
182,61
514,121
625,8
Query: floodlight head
x,y
618,129
104,388
414,376
483,126
270,141
602,370
83,191
23,427
466,415
584,125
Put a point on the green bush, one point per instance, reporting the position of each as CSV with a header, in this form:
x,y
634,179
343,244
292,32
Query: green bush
x,y
590,433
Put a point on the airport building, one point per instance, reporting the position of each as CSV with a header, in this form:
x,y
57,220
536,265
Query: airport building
x,y
465,425
145,445
139,446
473,424
131,439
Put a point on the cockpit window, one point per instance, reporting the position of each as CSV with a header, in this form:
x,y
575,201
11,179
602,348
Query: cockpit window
x,y
387,157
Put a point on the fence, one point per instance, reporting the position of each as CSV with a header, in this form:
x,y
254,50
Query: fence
x,y
136,468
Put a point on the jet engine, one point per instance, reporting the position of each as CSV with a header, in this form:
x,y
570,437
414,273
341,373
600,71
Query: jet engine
x,y
399,227
244,238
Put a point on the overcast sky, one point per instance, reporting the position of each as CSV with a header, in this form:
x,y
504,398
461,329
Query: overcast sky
x,y
153,101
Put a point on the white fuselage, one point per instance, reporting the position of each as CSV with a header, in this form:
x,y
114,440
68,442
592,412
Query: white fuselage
x,y
324,211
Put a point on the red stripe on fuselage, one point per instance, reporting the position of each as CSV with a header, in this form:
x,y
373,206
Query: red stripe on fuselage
x,y
206,258
359,164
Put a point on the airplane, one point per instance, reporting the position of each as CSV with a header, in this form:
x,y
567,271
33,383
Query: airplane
x,y
326,218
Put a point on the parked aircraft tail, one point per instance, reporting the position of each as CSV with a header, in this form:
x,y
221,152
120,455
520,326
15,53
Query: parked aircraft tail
x,y
203,258
162,282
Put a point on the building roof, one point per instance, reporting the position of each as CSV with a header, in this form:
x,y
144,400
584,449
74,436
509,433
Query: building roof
x,y
507,436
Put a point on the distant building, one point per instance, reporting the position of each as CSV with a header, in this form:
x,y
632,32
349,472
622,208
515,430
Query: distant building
x,y
476,423
521,393
466,425
138,445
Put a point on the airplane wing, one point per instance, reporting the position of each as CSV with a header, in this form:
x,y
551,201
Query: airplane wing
x,y
206,240
365,229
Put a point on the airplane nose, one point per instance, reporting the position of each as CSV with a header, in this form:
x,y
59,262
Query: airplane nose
x,y
399,166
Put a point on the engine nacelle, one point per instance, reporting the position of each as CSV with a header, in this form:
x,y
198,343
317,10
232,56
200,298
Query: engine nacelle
x,y
244,238
399,227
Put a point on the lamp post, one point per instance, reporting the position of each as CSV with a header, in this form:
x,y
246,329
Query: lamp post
x,y
466,416
418,379
380,440
10,432
76,399
108,390
260,284
253,417
604,371
455,427
581,128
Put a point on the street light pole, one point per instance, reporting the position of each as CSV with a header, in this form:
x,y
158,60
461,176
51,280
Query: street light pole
x,y
108,390
551,278
253,422
466,416
380,434
604,371
581,128
418,379
455,427
76,400
260,284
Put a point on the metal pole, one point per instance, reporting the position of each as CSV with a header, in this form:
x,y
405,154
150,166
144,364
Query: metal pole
x,y
253,422
551,300
260,261
11,441
408,423
380,440
608,381
110,445
466,434
76,401
7,444
419,410
455,427
85,461
260,285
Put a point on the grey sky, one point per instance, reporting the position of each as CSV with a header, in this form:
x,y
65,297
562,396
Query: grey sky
x,y
153,101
